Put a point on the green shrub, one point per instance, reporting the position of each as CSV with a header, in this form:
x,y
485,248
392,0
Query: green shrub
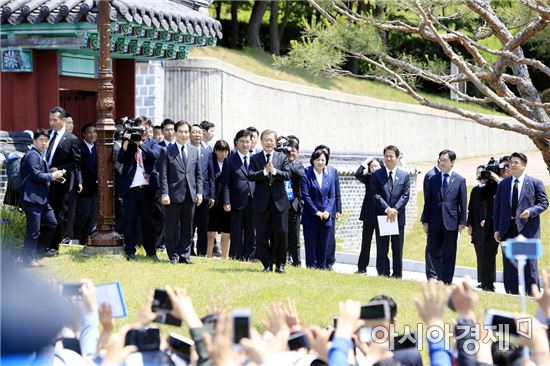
x,y
12,226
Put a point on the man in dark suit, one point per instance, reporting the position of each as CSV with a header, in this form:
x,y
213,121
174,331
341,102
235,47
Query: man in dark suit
x,y
200,219
390,189
86,212
476,222
519,202
444,215
297,171
137,185
368,212
169,133
181,188
237,198
336,210
269,169
35,184
430,266
63,153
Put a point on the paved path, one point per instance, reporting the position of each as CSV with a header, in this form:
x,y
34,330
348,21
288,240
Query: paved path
x,y
467,168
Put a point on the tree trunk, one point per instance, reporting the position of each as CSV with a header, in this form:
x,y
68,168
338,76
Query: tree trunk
x,y
234,33
253,34
274,41
544,147
284,21
379,11
218,10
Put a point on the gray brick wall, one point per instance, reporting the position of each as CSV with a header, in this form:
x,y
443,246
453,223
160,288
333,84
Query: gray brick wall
x,y
150,90
348,232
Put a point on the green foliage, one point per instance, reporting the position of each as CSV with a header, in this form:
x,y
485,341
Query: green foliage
x,y
320,49
12,226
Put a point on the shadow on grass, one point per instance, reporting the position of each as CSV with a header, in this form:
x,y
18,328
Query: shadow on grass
x,y
237,270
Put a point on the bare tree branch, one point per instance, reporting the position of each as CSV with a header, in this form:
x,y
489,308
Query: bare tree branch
x,y
537,6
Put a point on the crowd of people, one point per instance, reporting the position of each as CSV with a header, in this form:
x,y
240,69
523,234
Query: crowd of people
x,y
505,204
81,331
175,182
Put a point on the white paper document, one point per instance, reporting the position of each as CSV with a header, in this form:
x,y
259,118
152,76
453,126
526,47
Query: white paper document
x,y
387,228
111,293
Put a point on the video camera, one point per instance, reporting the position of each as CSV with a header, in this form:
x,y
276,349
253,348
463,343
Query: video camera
x,y
492,166
282,146
135,132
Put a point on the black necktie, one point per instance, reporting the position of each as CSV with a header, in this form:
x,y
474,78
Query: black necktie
x,y
267,156
50,147
445,182
515,198
245,163
390,180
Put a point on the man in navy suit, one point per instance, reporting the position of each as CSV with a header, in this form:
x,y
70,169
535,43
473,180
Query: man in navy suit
x,y
169,133
63,153
200,219
137,185
444,215
181,188
390,189
269,169
430,267
519,202
35,185
87,199
237,198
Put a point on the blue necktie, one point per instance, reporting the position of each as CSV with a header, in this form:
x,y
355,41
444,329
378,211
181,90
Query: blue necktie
x,y
445,181
245,163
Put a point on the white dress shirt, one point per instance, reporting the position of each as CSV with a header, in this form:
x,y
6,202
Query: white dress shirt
x,y
90,146
319,177
55,143
184,149
520,179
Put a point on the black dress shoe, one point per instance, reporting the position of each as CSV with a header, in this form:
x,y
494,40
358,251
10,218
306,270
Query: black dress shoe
x,y
297,264
267,269
360,272
280,269
185,260
154,258
174,261
131,257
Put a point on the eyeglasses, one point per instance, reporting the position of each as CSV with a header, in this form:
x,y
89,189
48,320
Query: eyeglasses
x,y
515,162
445,161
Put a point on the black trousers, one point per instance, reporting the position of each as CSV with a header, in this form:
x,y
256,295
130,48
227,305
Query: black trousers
x,y
331,250
366,240
159,218
486,253
86,216
271,235
70,217
138,202
243,243
430,256
59,198
41,224
382,249
200,224
294,236
179,226
510,270
442,249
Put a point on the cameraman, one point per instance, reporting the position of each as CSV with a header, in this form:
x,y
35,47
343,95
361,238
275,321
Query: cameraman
x,y
138,186
491,175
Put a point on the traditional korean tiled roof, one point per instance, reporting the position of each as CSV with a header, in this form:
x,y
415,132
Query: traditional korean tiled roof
x,y
170,15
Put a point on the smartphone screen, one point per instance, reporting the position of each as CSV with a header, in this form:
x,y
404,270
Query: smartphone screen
x,y
241,325
168,319
297,340
501,321
161,301
375,311
71,289
145,339
180,344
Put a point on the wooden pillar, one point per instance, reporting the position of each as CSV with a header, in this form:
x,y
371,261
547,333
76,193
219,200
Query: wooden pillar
x,y
106,236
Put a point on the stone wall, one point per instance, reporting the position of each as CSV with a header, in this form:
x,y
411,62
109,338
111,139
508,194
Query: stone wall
x,y
150,90
198,89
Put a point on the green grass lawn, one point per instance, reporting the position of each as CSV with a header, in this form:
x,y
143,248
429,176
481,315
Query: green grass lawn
x,y
261,63
237,284
415,241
